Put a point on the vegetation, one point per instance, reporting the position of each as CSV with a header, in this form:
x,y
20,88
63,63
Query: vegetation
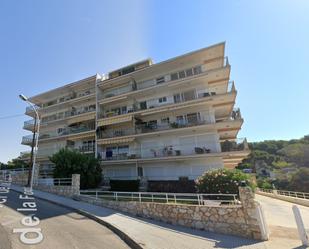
x,y
279,163
15,163
68,162
222,181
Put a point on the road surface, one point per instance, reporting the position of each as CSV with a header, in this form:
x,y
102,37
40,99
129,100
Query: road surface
x,y
61,228
280,217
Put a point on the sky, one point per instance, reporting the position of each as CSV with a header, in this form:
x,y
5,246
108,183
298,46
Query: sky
x,y
46,44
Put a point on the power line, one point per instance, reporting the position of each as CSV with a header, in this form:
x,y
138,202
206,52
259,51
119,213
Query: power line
x,y
11,116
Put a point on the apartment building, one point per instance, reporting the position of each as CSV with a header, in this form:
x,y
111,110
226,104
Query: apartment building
x,y
68,116
168,121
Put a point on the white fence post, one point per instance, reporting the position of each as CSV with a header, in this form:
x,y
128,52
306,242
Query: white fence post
x,y
300,226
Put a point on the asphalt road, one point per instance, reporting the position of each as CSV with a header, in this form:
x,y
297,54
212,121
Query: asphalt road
x,y
61,228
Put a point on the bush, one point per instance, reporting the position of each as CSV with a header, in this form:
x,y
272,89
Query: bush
x,y
222,181
68,162
124,185
264,183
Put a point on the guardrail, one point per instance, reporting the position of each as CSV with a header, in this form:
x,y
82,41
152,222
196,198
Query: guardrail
x,y
302,195
177,198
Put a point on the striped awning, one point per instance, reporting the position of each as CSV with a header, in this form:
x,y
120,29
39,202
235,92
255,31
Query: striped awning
x,y
116,141
115,120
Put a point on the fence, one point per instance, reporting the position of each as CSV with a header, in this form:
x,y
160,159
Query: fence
x,y
302,195
55,181
177,198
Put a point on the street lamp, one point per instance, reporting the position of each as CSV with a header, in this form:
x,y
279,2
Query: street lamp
x,y
34,149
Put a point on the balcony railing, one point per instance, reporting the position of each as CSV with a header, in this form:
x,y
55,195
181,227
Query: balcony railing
x,y
148,128
29,109
67,114
29,124
187,73
173,150
27,139
67,131
136,107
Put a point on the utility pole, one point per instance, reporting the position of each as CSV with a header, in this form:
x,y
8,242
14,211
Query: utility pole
x,y
31,154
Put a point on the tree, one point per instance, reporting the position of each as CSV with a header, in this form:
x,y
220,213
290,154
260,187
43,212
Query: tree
x,y
300,181
68,162
222,181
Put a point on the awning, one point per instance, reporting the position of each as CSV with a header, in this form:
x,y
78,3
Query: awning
x,y
116,141
81,118
115,120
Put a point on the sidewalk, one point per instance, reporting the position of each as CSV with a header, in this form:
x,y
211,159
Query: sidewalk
x,y
151,234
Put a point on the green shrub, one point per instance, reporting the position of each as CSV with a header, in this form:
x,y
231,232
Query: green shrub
x,y
68,162
264,183
222,181
124,185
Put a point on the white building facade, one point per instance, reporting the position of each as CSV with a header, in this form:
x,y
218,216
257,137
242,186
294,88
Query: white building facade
x,y
162,122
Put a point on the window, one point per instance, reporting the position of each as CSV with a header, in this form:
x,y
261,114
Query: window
x,y
162,100
197,70
160,80
174,76
140,171
165,120
189,95
182,74
189,72
177,98
180,120
192,118
143,105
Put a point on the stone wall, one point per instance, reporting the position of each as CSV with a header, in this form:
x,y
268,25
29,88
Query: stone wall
x,y
233,219
68,191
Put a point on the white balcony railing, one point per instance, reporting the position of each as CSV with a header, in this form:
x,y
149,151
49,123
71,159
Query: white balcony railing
x,y
171,150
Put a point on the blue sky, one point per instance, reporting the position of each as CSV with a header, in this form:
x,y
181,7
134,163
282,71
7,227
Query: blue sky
x,y
45,44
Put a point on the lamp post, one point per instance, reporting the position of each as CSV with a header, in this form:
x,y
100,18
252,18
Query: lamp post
x,y
35,137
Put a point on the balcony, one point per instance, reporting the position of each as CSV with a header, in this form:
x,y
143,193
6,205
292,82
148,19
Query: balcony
x,y
66,132
149,128
173,151
27,140
70,113
180,98
179,75
67,98
29,125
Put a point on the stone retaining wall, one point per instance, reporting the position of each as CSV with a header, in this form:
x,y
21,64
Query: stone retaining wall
x,y
68,191
234,219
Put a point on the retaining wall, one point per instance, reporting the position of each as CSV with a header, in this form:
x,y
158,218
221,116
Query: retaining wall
x,y
233,219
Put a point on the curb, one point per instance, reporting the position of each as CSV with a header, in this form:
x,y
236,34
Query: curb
x,y
123,236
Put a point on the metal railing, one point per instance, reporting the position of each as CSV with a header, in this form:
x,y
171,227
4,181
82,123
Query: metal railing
x,y
54,181
177,149
136,107
147,128
176,198
302,195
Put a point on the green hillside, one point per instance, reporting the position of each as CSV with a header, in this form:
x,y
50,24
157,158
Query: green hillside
x,y
282,163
